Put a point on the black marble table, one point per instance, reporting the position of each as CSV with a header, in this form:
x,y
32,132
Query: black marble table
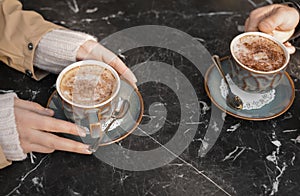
x,y
247,158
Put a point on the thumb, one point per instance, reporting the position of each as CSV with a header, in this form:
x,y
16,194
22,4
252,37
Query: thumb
x,y
282,19
275,21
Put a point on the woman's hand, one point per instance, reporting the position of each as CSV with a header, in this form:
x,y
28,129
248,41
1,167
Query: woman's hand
x,y
277,20
36,128
95,51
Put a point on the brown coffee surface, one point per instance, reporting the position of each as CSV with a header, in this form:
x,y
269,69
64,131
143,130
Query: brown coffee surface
x,y
259,53
88,85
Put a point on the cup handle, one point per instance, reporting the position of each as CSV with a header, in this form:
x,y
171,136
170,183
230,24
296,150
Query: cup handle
x,y
94,117
96,130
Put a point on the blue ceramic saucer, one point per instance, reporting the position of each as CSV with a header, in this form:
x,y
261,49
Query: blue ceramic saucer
x,y
284,96
128,124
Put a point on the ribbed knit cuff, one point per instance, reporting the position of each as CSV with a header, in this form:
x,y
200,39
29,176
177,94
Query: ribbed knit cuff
x,y
9,136
58,48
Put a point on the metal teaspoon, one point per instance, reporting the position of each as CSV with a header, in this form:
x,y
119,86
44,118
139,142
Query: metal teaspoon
x,y
118,113
232,99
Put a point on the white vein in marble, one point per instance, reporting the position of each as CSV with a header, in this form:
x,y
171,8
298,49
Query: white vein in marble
x,y
25,176
189,164
233,127
92,10
73,6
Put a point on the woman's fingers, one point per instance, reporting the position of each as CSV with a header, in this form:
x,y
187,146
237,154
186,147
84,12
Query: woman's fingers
x,y
34,132
28,147
290,48
32,106
282,19
271,17
277,20
51,141
124,71
96,51
33,120
282,36
255,17
114,61
35,124
44,142
58,126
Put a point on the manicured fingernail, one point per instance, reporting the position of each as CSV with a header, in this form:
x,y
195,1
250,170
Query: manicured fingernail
x,y
49,111
87,149
130,77
128,74
288,44
82,130
134,86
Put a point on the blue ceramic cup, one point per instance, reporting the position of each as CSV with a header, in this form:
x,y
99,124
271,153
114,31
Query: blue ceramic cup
x,y
257,80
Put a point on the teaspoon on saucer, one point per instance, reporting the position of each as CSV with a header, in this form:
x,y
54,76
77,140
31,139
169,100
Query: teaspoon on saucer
x,y
119,112
232,99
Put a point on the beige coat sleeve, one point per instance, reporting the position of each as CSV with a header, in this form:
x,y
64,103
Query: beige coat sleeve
x,y
3,161
20,32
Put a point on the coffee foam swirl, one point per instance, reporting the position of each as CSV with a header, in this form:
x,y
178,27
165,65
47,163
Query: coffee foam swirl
x,y
259,53
88,85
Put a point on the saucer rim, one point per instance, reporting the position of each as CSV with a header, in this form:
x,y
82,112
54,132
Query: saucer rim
x,y
127,132
291,100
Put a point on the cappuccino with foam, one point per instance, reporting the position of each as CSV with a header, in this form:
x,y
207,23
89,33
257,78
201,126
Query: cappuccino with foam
x,y
259,53
88,85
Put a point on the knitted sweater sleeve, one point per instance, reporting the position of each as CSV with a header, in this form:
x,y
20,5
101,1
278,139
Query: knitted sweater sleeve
x,y
58,48
9,137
